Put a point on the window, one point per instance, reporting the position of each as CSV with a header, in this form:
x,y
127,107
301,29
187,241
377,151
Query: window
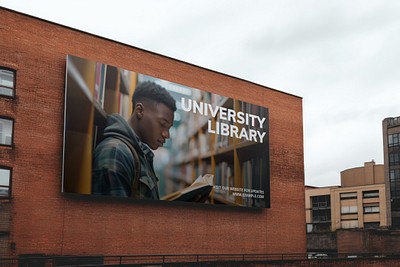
x,y
371,225
318,227
395,189
394,139
321,202
350,224
394,175
351,195
321,215
349,209
7,82
394,158
6,131
5,178
371,194
371,208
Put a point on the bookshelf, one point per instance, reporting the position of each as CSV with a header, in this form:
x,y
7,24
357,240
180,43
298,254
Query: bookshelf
x,y
235,163
93,90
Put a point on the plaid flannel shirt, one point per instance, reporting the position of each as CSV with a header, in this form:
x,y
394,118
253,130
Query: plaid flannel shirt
x,y
114,168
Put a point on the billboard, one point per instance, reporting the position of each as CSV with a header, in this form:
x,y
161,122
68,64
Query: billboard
x,y
183,144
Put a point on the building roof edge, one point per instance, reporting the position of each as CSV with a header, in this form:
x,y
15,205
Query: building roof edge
x,y
147,51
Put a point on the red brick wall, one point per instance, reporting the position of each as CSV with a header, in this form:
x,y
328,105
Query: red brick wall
x,y
368,241
46,221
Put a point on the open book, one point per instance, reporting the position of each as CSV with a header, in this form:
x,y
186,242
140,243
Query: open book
x,y
202,186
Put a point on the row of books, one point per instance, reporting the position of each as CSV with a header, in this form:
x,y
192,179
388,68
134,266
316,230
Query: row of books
x,y
254,176
184,174
221,140
224,179
99,83
100,91
262,112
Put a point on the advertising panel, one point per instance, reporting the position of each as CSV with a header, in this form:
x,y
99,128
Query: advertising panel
x,y
132,135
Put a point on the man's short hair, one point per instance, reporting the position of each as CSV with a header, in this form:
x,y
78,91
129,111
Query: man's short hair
x,y
153,92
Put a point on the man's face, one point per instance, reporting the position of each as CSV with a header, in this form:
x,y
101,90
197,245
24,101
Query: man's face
x,y
155,123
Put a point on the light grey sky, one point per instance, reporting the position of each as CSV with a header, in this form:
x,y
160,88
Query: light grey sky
x,y
342,57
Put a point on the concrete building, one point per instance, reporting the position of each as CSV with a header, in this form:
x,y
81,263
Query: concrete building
x,y
359,203
41,219
391,149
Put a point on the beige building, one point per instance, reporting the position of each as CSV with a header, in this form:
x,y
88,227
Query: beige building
x,y
360,201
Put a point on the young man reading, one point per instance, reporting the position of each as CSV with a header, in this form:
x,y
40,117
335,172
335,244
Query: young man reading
x,y
116,170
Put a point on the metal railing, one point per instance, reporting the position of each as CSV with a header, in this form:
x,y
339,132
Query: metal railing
x,y
170,260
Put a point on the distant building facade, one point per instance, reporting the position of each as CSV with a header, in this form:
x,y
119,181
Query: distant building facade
x,y
391,149
359,203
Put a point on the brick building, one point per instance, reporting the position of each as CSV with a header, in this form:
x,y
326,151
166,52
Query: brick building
x,y
37,218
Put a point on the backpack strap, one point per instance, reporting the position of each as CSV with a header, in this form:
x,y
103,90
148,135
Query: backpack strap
x,y
135,183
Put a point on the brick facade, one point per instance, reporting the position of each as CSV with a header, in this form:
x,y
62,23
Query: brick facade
x,y
368,241
48,222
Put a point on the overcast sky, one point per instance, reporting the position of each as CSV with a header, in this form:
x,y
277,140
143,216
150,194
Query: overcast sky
x,y
341,57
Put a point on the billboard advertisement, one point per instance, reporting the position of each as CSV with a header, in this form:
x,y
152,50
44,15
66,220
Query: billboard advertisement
x,y
127,134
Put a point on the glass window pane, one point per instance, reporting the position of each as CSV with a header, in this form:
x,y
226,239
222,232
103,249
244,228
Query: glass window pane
x,y
6,128
350,224
4,182
371,194
4,177
6,82
371,208
348,209
350,195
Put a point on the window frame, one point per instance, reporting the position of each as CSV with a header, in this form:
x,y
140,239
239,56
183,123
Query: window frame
x,y
321,202
371,194
394,158
348,195
348,224
393,139
369,208
394,175
12,131
8,196
345,210
14,83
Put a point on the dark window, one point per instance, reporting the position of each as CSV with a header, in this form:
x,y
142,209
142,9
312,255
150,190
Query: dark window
x,y
394,175
6,131
371,194
395,204
5,182
7,82
394,158
321,215
396,222
321,208
371,225
394,139
395,189
350,195
321,202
